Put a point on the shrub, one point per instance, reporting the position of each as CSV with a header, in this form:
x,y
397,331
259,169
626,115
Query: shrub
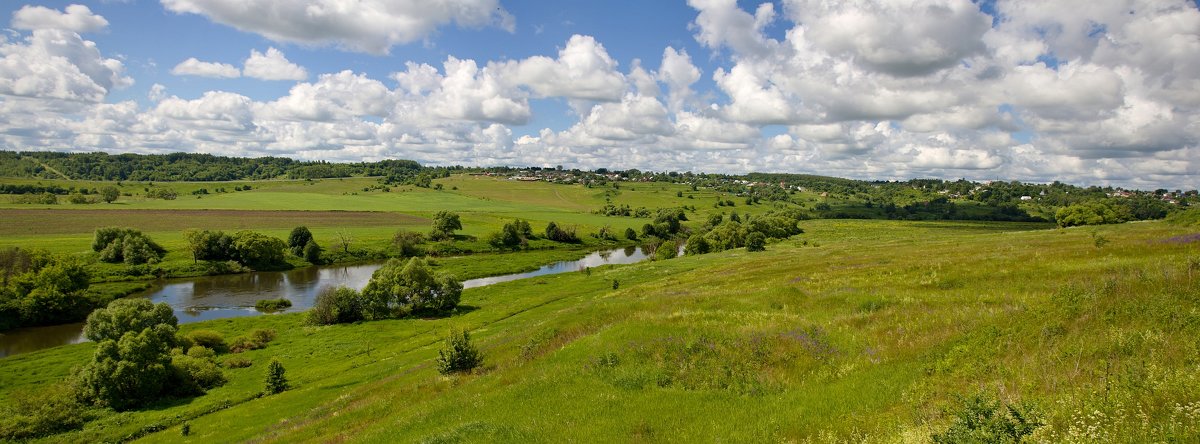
x,y
511,235
195,375
200,352
606,233
162,193
1092,213
458,354
666,250
209,339
237,362
208,245
631,234
258,250
558,233
126,316
696,245
110,194
445,224
336,306
270,305
34,414
299,237
276,381
755,241
131,371
255,340
312,252
126,245
408,243
980,419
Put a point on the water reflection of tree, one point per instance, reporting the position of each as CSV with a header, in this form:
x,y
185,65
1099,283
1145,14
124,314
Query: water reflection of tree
x,y
630,250
259,283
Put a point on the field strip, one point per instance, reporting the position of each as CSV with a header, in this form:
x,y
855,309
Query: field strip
x,y
74,221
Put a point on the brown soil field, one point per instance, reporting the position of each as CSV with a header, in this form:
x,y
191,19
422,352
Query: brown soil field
x,y
43,221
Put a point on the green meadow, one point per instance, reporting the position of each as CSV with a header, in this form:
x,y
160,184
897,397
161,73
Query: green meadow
x,y
856,331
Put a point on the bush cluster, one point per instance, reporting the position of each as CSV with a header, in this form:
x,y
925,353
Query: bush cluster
x,y
126,245
249,248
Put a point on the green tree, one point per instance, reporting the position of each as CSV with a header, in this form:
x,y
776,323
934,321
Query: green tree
x,y
458,355
558,233
1092,213
258,250
509,236
132,363
445,224
126,245
631,234
276,380
696,244
298,238
755,241
126,316
339,305
400,287
312,252
408,243
110,194
666,250
206,245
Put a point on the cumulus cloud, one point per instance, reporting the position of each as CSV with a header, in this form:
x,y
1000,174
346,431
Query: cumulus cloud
x,y
58,64
679,74
341,96
75,18
583,70
272,66
194,67
371,26
900,38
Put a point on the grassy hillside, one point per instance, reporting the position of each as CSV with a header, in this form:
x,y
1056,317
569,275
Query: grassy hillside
x,y
854,331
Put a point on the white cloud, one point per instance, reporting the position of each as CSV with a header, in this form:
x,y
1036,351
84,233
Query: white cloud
x,y
75,18
721,23
157,93
583,70
371,26
469,93
342,96
678,72
194,67
56,64
272,66
901,38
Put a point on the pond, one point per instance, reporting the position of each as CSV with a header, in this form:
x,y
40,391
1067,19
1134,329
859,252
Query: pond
x,y
215,297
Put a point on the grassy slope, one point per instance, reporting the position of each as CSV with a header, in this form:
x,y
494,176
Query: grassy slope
x,y
856,330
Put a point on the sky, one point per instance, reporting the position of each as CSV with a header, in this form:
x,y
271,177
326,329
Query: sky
x,y
1085,92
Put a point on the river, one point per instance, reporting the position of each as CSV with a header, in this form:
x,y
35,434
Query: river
x,y
215,297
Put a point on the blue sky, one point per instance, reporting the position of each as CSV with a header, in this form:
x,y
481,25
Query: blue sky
x,y
1093,93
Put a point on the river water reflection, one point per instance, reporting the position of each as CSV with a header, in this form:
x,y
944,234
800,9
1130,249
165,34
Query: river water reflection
x,y
216,297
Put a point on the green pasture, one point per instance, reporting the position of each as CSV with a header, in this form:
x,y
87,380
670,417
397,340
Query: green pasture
x,y
856,331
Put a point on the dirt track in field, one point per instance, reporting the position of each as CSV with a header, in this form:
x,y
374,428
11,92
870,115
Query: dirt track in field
x,y
43,221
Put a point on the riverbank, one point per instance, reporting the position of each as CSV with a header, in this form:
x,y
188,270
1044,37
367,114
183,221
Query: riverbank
x,y
205,298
